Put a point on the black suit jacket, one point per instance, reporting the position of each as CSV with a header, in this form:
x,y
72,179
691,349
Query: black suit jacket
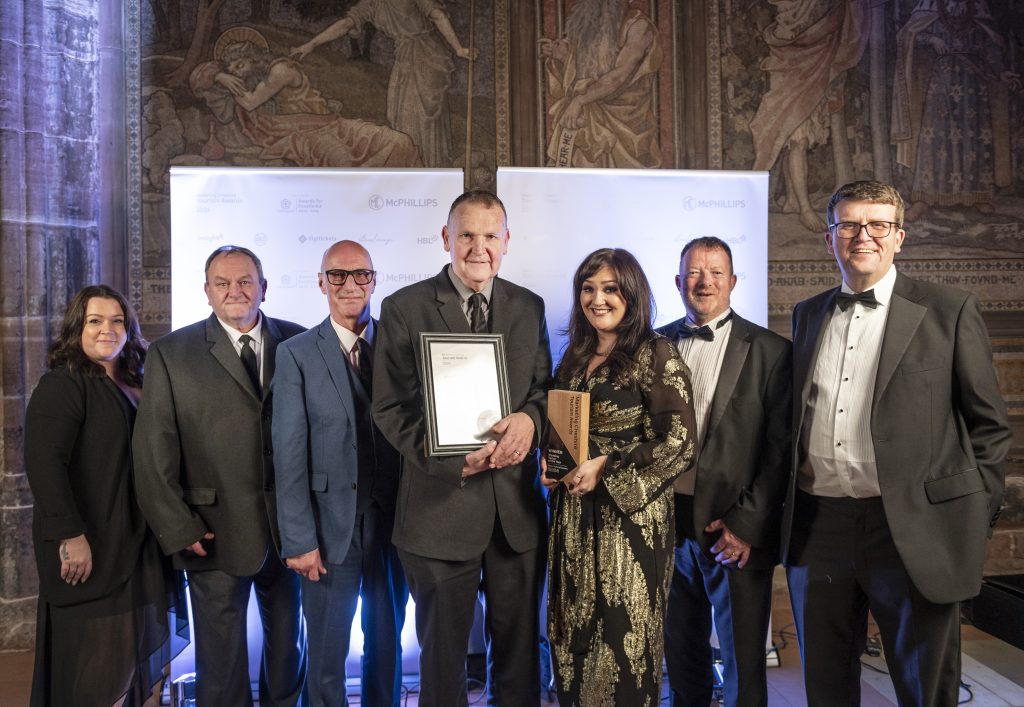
x,y
437,515
203,456
743,463
939,428
78,463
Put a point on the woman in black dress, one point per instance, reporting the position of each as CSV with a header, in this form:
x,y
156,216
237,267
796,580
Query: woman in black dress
x,y
103,629
612,522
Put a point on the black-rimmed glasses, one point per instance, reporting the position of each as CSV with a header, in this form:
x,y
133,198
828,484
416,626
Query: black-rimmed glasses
x,y
851,229
361,277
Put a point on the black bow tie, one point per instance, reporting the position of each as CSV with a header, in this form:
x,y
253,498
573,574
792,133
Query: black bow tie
x,y
703,332
866,298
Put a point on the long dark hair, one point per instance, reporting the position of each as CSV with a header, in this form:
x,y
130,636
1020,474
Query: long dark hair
x,y
634,329
67,351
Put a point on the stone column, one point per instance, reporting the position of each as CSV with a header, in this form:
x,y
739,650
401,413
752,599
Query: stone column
x,y
50,197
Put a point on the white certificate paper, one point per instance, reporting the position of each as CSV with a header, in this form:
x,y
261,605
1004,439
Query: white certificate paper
x,y
465,389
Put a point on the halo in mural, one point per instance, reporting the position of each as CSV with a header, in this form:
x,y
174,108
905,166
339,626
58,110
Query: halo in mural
x,y
236,35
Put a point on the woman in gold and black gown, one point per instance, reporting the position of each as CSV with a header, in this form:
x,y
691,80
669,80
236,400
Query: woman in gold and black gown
x,y
612,520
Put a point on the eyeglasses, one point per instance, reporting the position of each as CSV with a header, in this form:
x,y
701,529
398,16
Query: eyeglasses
x,y
851,229
361,277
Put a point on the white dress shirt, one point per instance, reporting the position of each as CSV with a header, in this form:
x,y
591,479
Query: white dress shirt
x,y
256,333
836,431
704,359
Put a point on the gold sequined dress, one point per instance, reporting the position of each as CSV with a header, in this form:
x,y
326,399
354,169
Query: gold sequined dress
x,y
610,551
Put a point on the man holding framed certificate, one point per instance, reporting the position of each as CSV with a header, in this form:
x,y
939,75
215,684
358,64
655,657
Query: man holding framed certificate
x,y
468,521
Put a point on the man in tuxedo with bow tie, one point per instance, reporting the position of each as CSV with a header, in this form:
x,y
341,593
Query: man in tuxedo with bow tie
x,y
204,474
897,477
337,478
729,502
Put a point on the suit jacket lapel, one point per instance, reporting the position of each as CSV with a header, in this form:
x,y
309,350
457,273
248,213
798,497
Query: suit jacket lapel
x,y
224,351
805,352
337,367
271,338
449,304
732,364
905,316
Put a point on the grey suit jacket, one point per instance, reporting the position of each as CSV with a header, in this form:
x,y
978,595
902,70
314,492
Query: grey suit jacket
x,y
203,459
437,515
315,436
939,427
743,463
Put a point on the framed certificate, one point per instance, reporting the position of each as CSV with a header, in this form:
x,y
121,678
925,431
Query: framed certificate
x,y
465,389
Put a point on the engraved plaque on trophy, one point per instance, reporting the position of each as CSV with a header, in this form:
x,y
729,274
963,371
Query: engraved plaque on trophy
x,y
568,431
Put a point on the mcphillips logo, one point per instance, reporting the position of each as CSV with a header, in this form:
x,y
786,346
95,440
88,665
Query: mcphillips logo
x,y
378,202
692,204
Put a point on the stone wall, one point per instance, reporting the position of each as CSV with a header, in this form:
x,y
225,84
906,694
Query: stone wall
x,y
50,186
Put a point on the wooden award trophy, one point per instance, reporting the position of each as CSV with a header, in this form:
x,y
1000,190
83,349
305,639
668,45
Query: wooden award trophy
x,y
568,431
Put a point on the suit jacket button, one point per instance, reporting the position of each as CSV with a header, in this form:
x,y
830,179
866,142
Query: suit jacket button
x,y
354,487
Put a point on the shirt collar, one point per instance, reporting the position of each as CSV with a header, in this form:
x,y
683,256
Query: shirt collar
x,y
464,291
348,337
256,333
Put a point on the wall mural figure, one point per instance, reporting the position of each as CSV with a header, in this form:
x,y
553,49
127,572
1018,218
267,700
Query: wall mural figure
x,y
601,79
950,116
421,75
278,110
812,44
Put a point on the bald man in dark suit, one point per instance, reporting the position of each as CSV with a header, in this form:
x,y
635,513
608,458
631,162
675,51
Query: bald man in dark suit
x,y
897,471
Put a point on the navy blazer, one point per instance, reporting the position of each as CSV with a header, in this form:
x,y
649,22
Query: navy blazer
x,y
316,445
939,428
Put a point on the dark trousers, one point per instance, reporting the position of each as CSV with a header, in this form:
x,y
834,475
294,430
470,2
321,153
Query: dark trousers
x,y
843,562
445,593
742,601
219,604
371,570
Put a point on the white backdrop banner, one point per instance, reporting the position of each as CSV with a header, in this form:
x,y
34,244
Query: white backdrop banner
x,y
289,217
558,216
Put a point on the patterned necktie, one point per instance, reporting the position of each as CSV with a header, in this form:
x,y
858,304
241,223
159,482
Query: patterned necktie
x,y
866,298
249,361
477,320
364,363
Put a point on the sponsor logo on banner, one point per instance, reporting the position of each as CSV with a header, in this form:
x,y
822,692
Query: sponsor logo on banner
x,y
260,239
304,238
691,203
378,202
404,278
428,240
301,205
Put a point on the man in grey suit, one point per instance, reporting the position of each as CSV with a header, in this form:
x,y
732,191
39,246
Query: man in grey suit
x,y
729,502
204,474
472,523
897,471
336,483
